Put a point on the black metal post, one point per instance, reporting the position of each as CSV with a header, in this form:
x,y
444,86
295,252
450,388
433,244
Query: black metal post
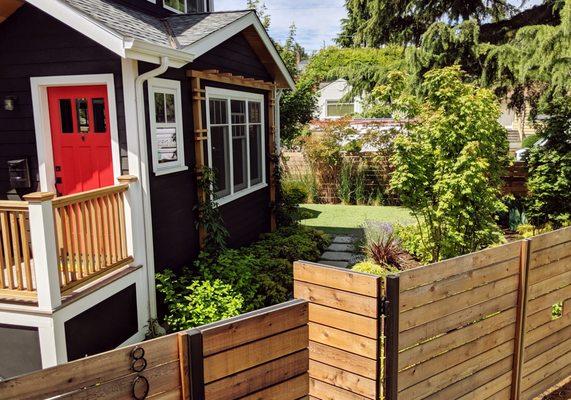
x,y
196,364
392,337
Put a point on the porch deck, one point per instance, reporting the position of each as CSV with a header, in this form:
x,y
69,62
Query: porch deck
x,y
82,236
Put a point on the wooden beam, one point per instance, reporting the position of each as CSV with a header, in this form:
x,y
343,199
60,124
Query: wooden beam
x,y
225,77
199,136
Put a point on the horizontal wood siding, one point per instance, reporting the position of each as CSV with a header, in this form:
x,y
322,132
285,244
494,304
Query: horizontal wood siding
x,y
344,331
33,44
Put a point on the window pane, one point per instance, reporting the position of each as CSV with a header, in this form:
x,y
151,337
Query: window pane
x,y
218,111
340,109
66,118
169,100
238,111
160,107
82,115
221,159
176,4
166,145
195,6
255,154
255,112
239,157
99,120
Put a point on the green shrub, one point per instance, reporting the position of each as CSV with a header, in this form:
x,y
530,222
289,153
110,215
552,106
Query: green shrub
x,y
381,244
346,182
529,141
370,267
413,241
292,194
197,302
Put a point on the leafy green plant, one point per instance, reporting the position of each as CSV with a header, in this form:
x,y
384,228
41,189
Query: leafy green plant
x,y
370,267
209,217
449,167
194,302
381,243
346,182
360,187
530,141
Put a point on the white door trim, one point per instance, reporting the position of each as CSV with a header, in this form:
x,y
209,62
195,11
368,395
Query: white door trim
x,y
39,87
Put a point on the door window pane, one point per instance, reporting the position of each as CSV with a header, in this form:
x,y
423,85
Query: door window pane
x,y
66,116
82,115
240,157
160,107
99,120
176,4
255,154
221,160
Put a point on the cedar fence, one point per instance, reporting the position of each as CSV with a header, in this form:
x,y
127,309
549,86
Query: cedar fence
x,y
480,326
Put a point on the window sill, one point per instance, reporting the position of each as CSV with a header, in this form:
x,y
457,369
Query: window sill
x,y
242,193
171,170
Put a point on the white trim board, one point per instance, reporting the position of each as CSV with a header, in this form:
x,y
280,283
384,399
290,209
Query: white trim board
x,y
42,127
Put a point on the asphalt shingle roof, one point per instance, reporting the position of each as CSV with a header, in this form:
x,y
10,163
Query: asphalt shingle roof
x,y
176,31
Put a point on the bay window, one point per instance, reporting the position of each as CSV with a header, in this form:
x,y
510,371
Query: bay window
x,y
236,142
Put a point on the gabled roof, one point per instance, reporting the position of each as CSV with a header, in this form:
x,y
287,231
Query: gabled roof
x,y
134,34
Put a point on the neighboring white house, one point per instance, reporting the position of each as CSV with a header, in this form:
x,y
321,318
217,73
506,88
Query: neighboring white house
x,y
332,103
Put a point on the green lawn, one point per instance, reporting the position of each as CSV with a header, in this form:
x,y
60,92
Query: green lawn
x,y
341,219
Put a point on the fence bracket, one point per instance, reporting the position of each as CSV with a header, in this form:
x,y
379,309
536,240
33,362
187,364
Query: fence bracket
x,y
384,305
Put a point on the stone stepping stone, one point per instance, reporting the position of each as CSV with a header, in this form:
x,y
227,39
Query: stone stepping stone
x,y
341,247
343,240
338,264
337,256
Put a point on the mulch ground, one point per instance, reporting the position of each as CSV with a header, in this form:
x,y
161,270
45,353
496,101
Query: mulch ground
x,y
562,393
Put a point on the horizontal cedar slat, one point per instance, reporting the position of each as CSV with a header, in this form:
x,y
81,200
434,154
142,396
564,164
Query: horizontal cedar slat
x,y
342,279
87,371
539,375
350,322
450,305
457,284
258,378
293,389
353,363
162,378
343,379
547,327
454,357
249,355
322,390
342,340
338,299
253,326
455,338
175,394
547,356
546,346
456,373
480,385
445,269
551,284
544,272
547,382
550,239
458,319
547,300
549,255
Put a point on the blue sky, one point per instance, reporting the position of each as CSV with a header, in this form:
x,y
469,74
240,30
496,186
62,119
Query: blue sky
x,y
318,21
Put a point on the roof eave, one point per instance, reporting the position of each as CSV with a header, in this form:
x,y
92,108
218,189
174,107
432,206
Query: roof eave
x,y
143,51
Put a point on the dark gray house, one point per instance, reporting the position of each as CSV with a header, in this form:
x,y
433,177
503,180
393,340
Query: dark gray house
x,y
109,110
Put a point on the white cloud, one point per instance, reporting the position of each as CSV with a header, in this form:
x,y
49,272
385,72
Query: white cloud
x,y
318,22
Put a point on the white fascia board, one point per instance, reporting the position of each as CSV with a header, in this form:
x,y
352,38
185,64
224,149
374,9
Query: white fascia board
x,y
215,38
82,23
142,51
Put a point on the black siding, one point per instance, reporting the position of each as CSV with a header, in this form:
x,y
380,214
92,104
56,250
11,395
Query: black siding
x,y
174,196
33,44
20,351
104,326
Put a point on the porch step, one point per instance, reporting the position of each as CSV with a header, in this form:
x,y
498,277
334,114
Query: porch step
x,y
341,247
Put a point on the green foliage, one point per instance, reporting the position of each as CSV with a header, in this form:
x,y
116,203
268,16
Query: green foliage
x,y
262,11
530,141
549,181
346,182
448,166
381,243
197,302
370,267
292,194
415,239
209,214
238,280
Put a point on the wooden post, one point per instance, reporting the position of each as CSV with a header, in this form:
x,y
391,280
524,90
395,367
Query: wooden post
x,y
521,319
196,364
44,249
134,237
392,337
273,155
200,137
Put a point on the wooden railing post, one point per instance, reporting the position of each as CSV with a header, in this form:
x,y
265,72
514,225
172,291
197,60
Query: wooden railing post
x,y
44,249
392,337
134,231
521,319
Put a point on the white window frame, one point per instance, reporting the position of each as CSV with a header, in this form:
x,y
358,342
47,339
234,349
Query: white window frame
x,y
338,103
228,95
157,85
174,9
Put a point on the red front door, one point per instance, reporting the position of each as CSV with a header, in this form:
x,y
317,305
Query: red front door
x,y
81,138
